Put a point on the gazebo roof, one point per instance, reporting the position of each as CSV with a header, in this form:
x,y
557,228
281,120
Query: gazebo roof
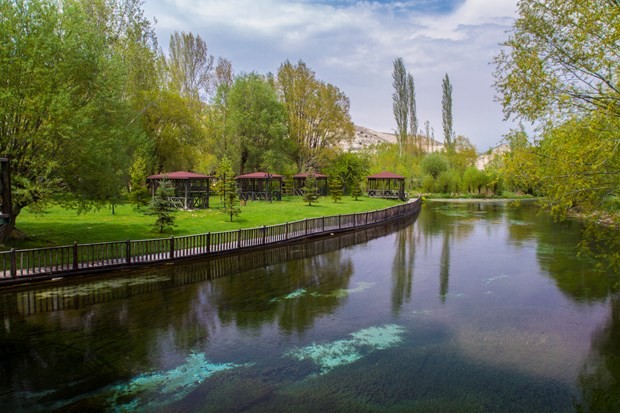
x,y
386,175
180,175
305,175
259,175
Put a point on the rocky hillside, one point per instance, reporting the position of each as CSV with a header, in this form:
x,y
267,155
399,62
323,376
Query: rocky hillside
x,y
365,137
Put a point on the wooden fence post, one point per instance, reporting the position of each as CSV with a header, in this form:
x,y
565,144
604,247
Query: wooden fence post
x,y
75,255
306,225
264,234
171,248
339,216
208,242
128,251
13,263
239,239
286,231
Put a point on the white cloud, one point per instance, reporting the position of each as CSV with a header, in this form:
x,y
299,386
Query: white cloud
x,y
352,45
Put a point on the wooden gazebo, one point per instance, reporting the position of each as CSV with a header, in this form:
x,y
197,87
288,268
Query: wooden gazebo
x,y
386,185
299,181
260,186
191,190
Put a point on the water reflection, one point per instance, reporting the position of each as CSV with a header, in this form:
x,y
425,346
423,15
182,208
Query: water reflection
x,y
106,335
402,267
599,378
345,323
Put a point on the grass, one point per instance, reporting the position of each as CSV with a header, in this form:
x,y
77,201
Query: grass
x,y
59,226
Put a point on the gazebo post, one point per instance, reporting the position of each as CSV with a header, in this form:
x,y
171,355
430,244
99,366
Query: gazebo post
x,y
187,183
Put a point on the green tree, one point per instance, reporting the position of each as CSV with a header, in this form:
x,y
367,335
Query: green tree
x,y
400,102
224,177
311,192
561,58
412,109
434,164
356,189
335,188
139,191
448,182
558,69
65,84
463,155
190,66
318,118
474,180
162,207
257,121
349,168
446,112
231,199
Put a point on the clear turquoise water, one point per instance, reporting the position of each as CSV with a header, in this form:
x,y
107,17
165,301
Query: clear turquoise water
x,y
470,308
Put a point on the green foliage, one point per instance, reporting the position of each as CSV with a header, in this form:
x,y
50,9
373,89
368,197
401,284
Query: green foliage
x,y
335,188
559,60
230,199
318,115
349,168
190,66
66,83
448,182
311,192
162,207
463,154
139,192
434,164
256,122
357,189
474,180
446,112
224,176
428,184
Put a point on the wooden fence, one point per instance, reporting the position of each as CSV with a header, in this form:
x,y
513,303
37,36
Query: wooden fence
x,y
28,264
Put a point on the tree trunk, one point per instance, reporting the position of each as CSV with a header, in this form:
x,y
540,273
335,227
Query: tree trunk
x,y
7,229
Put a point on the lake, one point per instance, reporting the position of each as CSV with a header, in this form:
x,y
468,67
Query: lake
x,y
470,307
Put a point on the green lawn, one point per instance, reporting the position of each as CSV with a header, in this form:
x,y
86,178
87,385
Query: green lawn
x,y
58,226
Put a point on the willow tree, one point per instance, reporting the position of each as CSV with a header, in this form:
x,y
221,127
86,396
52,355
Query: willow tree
x,y
318,116
66,121
559,69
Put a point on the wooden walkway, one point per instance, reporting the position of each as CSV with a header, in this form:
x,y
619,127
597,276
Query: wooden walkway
x,y
21,266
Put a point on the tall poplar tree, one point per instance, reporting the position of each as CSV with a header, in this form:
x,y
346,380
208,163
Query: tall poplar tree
x,y
400,102
446,111
413,116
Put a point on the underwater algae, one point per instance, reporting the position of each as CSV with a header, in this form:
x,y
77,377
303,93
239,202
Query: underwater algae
x,y
342,352
153,390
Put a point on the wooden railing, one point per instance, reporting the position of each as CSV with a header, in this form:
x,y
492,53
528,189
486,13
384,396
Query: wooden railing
x,y
27,264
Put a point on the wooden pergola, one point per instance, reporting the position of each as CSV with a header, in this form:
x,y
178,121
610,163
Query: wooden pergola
x,y
387,185
260,186
191,190
299,181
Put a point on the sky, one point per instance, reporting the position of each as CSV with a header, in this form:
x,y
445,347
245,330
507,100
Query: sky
x,y
352,44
